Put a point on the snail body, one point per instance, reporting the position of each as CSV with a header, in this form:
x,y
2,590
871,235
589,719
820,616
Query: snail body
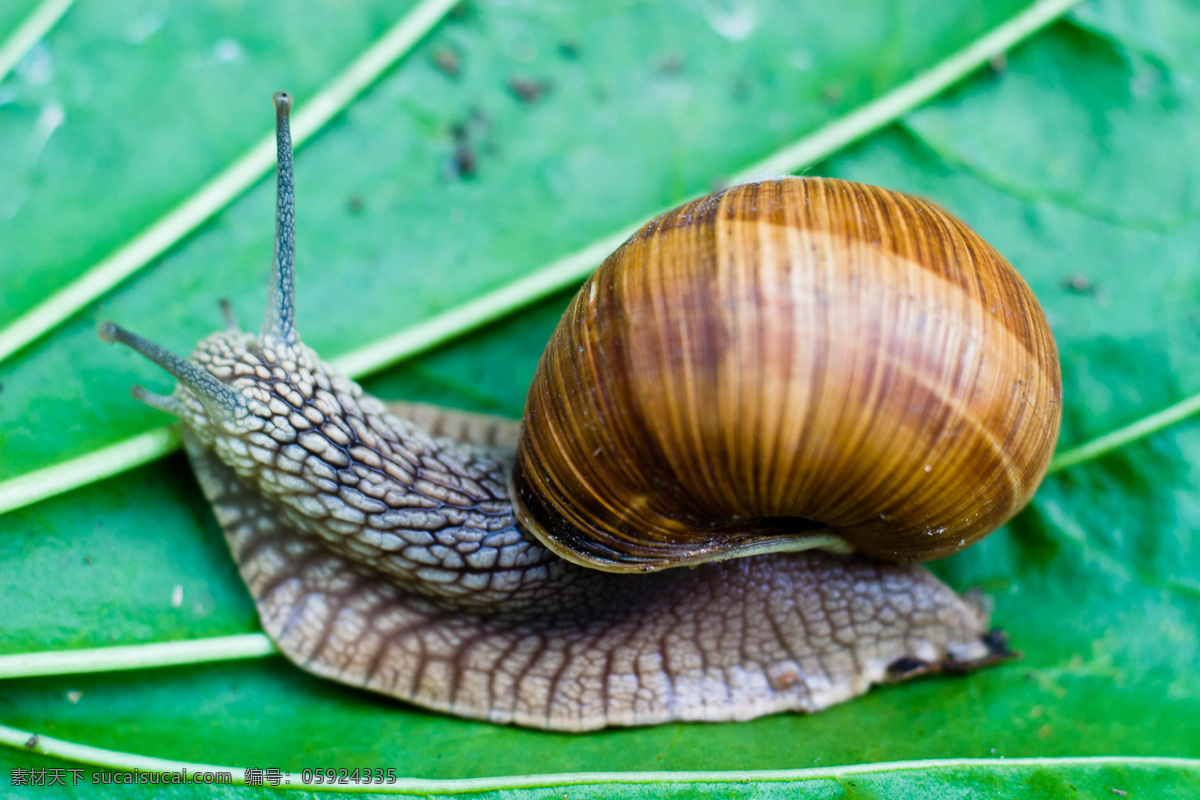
x,y
434,555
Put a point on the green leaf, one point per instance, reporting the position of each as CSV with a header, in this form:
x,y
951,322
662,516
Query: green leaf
x,y
1068,158
1027,779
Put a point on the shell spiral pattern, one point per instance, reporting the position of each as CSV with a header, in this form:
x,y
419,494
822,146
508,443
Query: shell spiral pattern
x,y
783,360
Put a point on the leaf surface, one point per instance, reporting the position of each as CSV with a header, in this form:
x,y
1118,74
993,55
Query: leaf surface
x,y
1075,158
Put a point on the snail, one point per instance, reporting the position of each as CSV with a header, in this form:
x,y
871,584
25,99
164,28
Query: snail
x,y
751,421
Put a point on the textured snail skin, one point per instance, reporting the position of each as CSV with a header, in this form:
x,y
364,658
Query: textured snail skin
x,y
385,557
784,359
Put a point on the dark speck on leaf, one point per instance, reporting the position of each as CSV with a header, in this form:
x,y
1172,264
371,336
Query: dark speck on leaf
x,y
569,49
464,163
671,63
32,741
470,140
1079,284
833,94
355,204
527,90
447,61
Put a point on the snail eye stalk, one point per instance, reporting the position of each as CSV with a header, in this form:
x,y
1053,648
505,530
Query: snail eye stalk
x,y
279,321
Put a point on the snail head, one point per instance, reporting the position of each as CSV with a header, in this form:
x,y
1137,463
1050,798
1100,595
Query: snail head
x,y
230,382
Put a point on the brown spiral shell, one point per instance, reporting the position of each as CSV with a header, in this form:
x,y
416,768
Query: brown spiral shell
x,y
783,359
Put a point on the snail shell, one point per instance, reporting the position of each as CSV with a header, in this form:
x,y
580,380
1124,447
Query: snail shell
x,y
784,365
781,364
